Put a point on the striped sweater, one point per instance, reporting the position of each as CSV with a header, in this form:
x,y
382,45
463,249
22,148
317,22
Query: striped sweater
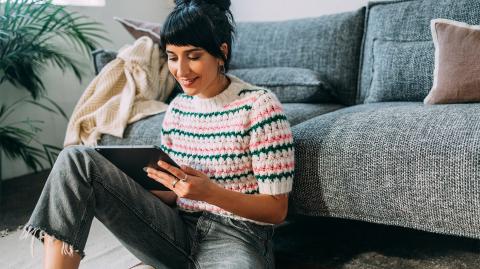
x,y
240,138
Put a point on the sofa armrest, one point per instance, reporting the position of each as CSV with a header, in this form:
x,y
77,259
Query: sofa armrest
x,y
101,57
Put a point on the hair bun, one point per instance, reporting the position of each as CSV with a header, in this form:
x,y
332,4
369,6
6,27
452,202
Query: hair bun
x,y
221,4
181,2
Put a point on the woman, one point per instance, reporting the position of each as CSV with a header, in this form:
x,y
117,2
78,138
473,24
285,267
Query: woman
x,y
235,147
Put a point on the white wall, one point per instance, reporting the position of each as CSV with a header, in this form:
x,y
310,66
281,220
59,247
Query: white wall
x,y
65,89
268,10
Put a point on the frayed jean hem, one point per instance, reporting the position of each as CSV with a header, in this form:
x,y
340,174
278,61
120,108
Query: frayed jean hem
x,y
39,233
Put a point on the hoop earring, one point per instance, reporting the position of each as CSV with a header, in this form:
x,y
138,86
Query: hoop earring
x,y
221,69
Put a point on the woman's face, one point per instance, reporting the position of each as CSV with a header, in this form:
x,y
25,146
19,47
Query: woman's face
x,y
195,69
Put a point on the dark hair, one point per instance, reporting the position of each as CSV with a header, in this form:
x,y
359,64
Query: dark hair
x,y
201,23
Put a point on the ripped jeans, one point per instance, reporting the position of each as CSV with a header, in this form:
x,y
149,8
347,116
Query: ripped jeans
x,y
83,185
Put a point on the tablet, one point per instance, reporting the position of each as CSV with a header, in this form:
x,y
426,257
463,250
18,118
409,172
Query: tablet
x,y
132,158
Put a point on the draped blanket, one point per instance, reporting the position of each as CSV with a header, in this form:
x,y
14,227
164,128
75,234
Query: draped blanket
x,y
132,86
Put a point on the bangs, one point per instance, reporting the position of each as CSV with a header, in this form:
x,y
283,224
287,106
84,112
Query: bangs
x,y
183,29
201,25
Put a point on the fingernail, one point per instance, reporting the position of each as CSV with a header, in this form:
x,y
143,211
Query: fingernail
x,y
145,169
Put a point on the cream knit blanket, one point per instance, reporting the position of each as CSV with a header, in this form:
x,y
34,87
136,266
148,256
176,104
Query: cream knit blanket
x,y
129,88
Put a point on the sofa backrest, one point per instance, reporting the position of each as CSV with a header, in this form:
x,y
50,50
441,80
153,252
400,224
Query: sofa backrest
x,y
328,45
398,52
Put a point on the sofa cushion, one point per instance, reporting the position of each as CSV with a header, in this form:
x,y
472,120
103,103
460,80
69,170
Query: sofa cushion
x,y
397,163
328,45
457,63
406,26
139,28
300,112
402,70
290,84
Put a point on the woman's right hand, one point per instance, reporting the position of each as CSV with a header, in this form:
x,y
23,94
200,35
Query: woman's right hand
x,y
168,197
186,182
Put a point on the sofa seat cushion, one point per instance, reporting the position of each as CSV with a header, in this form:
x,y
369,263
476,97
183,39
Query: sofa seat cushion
x,y
147,131
143,132
396,163
300,112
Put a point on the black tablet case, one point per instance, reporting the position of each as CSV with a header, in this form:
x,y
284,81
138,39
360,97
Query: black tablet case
x,y
132,159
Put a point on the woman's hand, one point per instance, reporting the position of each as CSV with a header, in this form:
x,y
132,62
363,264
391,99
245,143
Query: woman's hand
x,y
186,182
193,184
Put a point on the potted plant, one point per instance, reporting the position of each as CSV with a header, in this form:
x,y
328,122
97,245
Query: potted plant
x,y
31,35
16,138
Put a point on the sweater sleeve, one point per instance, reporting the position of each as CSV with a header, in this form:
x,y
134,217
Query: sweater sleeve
x,y
271,146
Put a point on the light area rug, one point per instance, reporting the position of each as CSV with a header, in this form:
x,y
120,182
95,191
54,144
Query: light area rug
x,y
102,250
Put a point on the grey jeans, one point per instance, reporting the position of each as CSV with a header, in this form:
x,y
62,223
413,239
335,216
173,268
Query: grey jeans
x,y
83,185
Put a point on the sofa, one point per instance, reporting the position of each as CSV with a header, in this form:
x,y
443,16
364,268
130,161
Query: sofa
x,y
352,86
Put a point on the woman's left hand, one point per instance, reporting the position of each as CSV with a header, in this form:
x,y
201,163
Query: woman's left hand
x,y
186,182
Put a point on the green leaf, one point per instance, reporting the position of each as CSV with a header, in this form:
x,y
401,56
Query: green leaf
x,y
14,142
41,105
28,43
59,109
3,109
11,108
18,142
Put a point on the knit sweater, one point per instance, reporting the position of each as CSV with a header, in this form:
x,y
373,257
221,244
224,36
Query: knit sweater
x,y
240,138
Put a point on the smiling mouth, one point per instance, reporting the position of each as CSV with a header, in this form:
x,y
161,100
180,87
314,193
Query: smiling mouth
x,y
188,82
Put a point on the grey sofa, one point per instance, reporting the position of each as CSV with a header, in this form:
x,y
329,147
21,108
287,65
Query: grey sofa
x,y
367,148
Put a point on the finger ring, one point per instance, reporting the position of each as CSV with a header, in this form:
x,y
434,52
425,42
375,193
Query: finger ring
x,y
185,178
174,182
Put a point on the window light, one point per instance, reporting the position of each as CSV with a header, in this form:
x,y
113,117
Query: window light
x,y
97,3
79,2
